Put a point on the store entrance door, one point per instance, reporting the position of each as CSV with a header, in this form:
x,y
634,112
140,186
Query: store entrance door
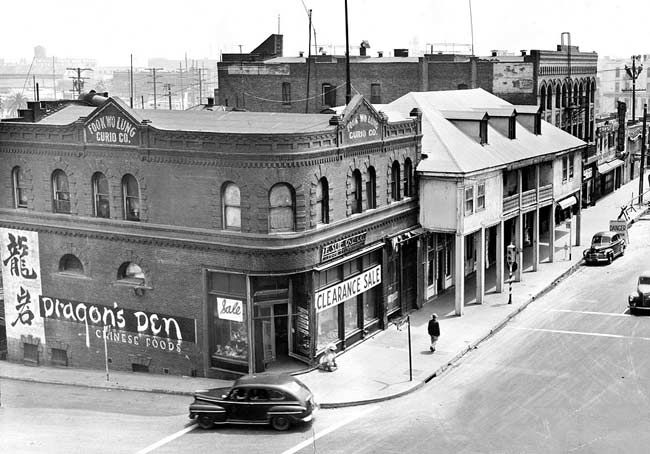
x,y
271,325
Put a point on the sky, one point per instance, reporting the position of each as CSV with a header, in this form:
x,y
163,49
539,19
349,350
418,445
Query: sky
x,y
110,31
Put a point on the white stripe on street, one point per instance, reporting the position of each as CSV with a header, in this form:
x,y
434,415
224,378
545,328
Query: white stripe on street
x,y
581,333
613,314
339,424
166,440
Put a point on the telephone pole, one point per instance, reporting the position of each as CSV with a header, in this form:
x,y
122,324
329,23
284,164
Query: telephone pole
x,y
169,95
153,72
633,73
643,150
348,85
78,80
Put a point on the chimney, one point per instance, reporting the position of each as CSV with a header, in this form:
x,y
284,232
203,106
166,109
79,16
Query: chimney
x,y
380,53
362,51
362,47
301,54
401,52
210,101
494,53
523,52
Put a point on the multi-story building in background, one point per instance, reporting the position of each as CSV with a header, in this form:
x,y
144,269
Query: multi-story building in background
x,y
616,84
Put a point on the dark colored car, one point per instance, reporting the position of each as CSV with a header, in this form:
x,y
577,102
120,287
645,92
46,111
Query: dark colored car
x,y
278,400
605,247
640,300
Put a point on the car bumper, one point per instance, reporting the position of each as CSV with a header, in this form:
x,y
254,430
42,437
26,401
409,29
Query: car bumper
x,y
590,258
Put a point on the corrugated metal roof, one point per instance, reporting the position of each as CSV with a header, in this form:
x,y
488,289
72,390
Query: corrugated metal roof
x,y
450,150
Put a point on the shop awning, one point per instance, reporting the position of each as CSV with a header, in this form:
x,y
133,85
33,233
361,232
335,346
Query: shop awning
x,y
566,203
609,166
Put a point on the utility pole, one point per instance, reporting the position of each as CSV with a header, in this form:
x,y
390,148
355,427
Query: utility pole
x,y
348,86
643,146
78,81
633,73
308,65
169,95
131,80
53,78
200,86
180,68
153,72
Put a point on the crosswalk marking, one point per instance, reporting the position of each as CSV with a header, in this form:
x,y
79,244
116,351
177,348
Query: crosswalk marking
x,y
613,314
581,333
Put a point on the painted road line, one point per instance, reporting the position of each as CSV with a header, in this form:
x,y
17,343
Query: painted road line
x,y
338,425
166,440
613,314
581,333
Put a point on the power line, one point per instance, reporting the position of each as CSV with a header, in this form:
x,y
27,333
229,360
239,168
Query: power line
x,y
78,80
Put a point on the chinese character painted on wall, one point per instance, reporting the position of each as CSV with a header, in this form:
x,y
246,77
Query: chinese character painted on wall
x,y
25,314
18,251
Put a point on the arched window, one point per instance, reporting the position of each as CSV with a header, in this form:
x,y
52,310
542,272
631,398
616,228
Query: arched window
x,y
408,178
564,95
575,93
371,188
231,206
549,97
558,96
70,264
60,192
581,94
395,181
282,208
20,192
322,202
592,91
131,273
542,97
131,198
356,192
101,201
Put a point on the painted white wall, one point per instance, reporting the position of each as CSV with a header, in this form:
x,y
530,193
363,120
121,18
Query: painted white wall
x,y
438,203
561,188
493,201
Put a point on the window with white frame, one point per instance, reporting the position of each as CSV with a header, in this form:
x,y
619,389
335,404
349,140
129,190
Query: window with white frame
x,y
282,214
469,201
480,197
101,201
565,168
322,207
60,192
131,198
231,203
571,160
20,192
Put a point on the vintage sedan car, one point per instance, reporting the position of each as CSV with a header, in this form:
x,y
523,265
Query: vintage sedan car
x,y
640,300
278,400
605,247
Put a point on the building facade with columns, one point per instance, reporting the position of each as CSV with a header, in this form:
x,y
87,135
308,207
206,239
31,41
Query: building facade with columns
x,y
492,174
201,242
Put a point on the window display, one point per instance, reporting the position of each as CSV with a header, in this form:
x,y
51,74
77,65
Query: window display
x,y
230,337
351,317
328,327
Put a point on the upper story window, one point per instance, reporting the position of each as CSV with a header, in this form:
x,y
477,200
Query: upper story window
x,y
20,192
60,192
571,159
286,93
329,95
131,198
281,208
101,201
549,98
565,168
542,97
371,188
131,273
469,201
395,181
356,192
375,93
322,202
558,96
70,264
408,178
483,131
231,206
480,197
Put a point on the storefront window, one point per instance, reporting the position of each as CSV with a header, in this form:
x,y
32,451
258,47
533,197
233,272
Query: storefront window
x,y
351,316
230,337
328,327
370,305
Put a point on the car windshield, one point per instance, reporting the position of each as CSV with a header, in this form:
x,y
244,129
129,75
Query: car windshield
x,y
644,280
599,240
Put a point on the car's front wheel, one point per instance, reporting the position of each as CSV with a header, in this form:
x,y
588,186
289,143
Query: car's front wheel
x,y
280,422
205,422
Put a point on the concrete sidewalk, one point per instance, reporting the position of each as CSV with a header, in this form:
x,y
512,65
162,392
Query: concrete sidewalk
x,y
378,368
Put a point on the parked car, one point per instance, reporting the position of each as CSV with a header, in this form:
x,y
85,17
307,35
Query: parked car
x,y
278,400
640,300
605,247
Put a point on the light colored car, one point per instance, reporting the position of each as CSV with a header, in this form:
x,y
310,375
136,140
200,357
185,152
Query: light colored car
x,y
605,247
640,300
278,400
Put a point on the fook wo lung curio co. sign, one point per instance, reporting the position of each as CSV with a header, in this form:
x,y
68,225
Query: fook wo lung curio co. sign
x,y
347,289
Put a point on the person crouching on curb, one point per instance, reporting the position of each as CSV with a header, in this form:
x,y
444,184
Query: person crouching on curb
x,y
328,358
434,331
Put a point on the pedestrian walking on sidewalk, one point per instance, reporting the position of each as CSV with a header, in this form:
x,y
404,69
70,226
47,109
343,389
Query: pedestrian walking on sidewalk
x,y
434,331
